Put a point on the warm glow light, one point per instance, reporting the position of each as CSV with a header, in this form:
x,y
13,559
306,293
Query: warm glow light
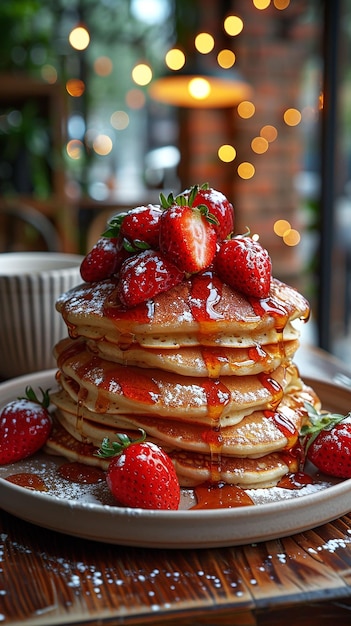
x,y
102,144
233,25
75,149
199,91
142,74
281,4
261,4
226,153
292,237
259,145
281,227
75,87
246,109
246,170
119,120
175,59
79,38
204,43
292,117
226,58
135,99
49,74
199,88
269,132
103,66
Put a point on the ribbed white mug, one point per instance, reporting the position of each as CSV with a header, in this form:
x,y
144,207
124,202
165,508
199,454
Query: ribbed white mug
x,y
30,283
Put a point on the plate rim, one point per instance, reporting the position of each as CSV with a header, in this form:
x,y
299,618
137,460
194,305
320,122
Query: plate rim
x,y
264,510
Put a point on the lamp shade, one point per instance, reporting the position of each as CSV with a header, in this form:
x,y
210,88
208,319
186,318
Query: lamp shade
x,y
201,89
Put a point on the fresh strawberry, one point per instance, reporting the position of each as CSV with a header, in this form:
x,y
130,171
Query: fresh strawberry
x,y
142,225
187,236
245,265
25,425
145,275
140,474
327,442
218,205
103,260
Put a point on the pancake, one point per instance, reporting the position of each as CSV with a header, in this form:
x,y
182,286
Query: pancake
x,y
192,469
199,311
200,360
260,433
108,387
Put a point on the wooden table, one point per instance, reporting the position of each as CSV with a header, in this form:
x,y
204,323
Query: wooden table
x,y
51,579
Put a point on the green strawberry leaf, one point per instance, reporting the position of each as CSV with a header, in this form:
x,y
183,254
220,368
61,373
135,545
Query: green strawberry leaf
x,y
32,397
110,449
319,421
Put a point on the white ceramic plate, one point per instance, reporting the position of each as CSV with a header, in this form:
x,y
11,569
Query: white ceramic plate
x,y
88,511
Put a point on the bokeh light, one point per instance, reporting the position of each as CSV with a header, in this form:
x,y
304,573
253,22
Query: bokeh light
x,y
102,144
199,88
226,58
259,145
261,4
246,109
281,227
75,149
204,43
175,59
246,170
233,25
119,120
75,87
292,237
142,74
281,4
103,66
292,117
226,153
135,99
49,74
79,38
269,132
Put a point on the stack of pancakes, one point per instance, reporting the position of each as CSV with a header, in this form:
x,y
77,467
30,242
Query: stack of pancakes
x,y
207,372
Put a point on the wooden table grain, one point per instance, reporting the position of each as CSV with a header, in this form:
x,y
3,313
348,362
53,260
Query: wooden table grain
x,y
48,579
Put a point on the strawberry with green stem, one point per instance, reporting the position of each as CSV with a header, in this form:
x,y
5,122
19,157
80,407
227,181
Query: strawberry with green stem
x,y
327,441
217,204
187,234
25,425
140,474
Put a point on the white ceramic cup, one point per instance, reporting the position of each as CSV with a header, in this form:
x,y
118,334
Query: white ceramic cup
x,y
30,326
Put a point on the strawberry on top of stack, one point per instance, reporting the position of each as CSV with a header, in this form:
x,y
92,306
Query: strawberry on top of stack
x,y
181,332
152,248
